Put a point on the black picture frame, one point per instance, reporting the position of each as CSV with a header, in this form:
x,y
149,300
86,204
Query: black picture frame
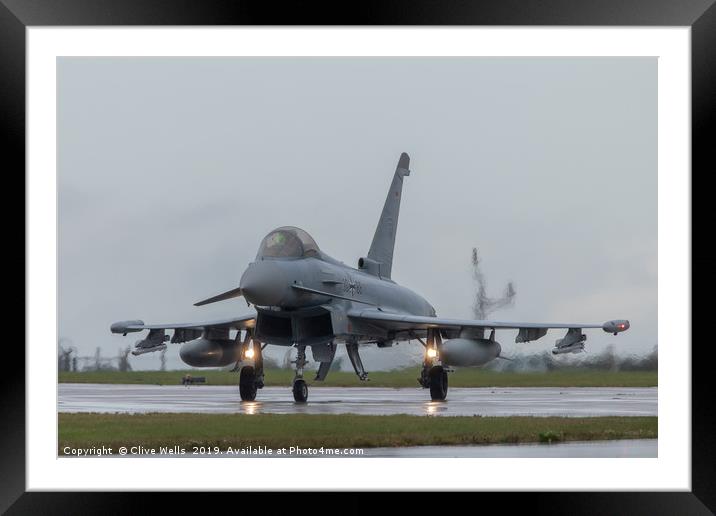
x,y
700,15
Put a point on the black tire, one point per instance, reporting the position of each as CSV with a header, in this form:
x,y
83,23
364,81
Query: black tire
x,y
438,383
247,384
300,391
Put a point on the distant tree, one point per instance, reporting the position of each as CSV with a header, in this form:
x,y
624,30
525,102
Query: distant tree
x,y
607,360
123,359
65,360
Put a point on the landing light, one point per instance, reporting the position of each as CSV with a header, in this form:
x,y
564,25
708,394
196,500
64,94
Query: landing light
x,y
432,352
249,353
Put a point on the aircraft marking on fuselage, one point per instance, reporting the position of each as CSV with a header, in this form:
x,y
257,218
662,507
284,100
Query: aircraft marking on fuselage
x,y
352,285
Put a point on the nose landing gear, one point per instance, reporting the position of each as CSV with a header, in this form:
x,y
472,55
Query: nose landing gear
x,y
300,387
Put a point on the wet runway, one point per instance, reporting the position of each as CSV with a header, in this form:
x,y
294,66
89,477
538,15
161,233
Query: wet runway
x,y
635,448
516,401
617,449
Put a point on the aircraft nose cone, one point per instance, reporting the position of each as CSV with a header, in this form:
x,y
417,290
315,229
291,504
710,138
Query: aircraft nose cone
x,y
263,284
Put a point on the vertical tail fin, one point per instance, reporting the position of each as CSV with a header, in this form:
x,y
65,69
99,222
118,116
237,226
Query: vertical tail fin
x,y
381,249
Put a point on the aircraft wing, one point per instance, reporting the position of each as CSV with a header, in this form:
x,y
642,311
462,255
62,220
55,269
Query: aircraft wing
x,y
183,332
237,323
527,331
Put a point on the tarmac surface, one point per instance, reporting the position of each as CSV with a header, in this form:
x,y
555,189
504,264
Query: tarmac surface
x,y
623,448
617,449
634,448
224,399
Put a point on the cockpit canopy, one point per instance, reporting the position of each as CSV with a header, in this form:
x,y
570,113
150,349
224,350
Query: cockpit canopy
x,y
288,242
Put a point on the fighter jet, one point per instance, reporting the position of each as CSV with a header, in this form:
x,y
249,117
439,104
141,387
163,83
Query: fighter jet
x,y
304,298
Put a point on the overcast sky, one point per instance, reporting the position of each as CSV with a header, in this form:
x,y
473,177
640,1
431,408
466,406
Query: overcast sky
x,y
171,170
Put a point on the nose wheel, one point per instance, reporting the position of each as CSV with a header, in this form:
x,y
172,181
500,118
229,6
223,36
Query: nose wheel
x,y
300,390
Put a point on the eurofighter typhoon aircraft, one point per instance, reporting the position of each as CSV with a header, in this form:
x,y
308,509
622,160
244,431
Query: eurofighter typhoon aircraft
x,y
305,298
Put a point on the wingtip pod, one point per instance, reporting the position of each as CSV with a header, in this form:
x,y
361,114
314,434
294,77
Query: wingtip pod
x,y
616,326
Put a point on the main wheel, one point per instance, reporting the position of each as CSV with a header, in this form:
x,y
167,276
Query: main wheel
x,y
247,384
438,383
300,391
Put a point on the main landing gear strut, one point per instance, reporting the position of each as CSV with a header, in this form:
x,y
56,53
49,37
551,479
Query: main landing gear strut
x,y
251,365
434,375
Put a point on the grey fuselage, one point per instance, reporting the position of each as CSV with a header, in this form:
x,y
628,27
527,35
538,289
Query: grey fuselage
x,y
287,315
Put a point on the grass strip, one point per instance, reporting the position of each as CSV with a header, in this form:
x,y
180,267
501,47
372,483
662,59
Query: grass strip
x,y
344,431
398,378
